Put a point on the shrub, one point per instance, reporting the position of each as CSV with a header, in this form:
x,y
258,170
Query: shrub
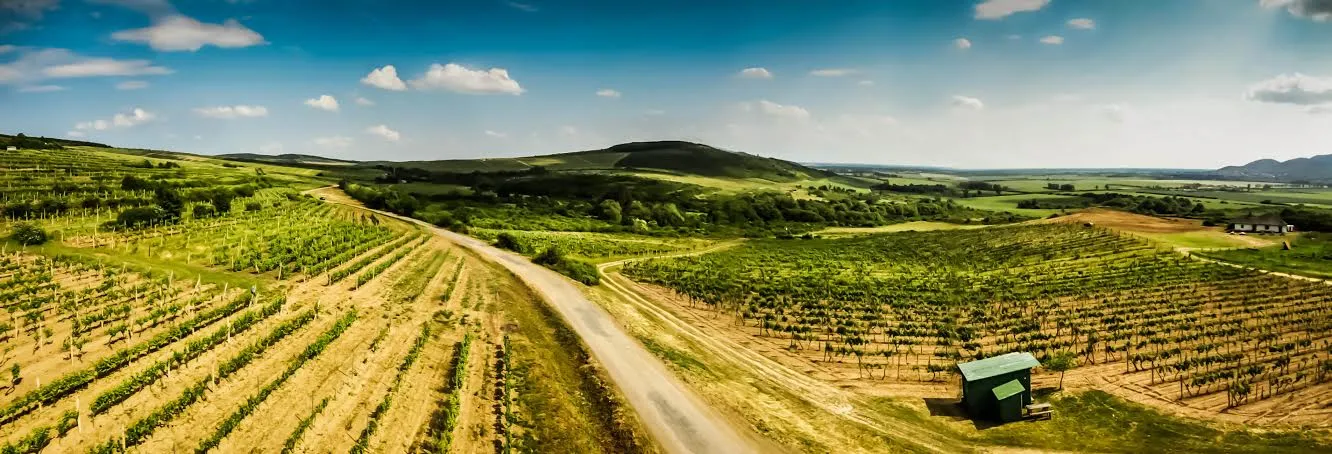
x,y
28,234
139,217
253,206
508,241
204,210
577,270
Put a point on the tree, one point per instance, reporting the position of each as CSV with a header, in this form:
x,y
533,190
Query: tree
x,y
221,199
609,210
170,203
1061,362
28,234
14,378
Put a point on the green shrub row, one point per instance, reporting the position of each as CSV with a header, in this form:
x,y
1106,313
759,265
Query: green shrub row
x,y
289,446
252,403
363,442
341,274
139,381
382,266
74,381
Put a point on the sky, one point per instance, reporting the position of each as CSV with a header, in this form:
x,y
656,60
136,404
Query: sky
x,y
965,83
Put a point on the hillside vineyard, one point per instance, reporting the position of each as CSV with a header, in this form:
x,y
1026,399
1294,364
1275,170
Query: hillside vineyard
x,y
909,306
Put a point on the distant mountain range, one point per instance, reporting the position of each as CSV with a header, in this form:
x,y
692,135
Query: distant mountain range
x,y
1317,168
285,159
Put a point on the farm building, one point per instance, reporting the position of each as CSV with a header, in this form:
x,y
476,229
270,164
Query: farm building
x,y
1260,224
998,388
11,148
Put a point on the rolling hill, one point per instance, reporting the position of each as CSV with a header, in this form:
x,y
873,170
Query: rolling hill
x,y
676,157
1317,168
286,159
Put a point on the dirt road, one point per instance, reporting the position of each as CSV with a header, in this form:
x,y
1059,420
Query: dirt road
x,y
676,418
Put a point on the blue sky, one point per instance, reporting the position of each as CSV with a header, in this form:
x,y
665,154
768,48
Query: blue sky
x,y
974,84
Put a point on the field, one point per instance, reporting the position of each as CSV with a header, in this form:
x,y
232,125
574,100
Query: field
x,y
1309,256
1009,203
595,247
280,324
1173,232
1151,326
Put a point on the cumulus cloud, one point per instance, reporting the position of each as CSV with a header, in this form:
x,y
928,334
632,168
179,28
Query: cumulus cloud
x,y
832,72
121,120
132,85
323,102
385,78
755,73
1294,88
1317,10
182,33
41,88
36,64
333,142
773,109
461,79
7,48
497,135
364,102
385,132
230,112
1113,112
75,133
1053,40
94,67
1082,23
962,43
967,102
999,9
608,93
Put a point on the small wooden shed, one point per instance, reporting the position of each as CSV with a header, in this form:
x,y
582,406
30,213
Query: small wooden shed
x,y
999,387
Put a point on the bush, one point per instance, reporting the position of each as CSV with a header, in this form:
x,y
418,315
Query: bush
x,y
139,217
204,210
28,234
253,206
577,270
507,241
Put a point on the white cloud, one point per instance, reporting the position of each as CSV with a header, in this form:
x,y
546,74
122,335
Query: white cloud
x,y
1014,37
229,112
525,7
333,142
132,85
41,88
832,72
182,33
755,73
105,67
323,102
962,43
364,102
7,48
1053,40
497,135
1292,89
17,15
777,110
385,78
458,78
75,133
865,83
1113,112
1082,23
385,132
1317,10
1319,109
568,131
999,9
608,93
966,102
133,118
272,148
654,112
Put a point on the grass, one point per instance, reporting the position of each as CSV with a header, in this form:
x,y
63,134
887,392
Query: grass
x,y
914,226
1310,255
1009,203
1202,239
1096,421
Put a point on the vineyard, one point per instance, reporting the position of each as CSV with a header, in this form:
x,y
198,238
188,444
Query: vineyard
x,y
594,246
282,322
907,307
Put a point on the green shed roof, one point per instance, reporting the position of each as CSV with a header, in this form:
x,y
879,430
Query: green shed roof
x,y
1007,390
998,365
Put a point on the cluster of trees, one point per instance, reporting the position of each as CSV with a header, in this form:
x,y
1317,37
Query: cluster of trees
x,y
1060,187
628,203
963,189
1162,206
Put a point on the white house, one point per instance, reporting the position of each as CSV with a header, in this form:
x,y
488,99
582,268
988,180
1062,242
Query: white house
x,y
11,148
1260,224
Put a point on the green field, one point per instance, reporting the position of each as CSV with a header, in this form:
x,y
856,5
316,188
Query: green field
x,y
1009,203
1310,255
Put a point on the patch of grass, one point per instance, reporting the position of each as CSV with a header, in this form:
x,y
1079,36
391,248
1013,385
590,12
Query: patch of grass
x,y
1099,422
1310,255
1009,203
678,358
